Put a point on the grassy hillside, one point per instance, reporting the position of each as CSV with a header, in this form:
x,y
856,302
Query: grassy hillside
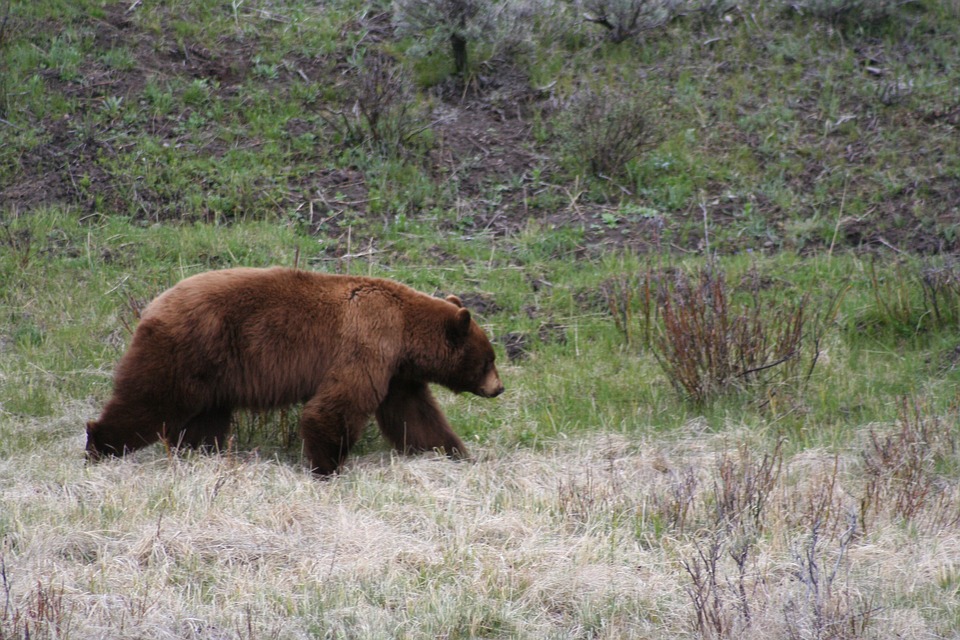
x,y
716,253
792,126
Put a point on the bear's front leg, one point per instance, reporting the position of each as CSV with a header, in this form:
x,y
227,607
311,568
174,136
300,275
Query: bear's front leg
x,y
330,426
206,431
412,421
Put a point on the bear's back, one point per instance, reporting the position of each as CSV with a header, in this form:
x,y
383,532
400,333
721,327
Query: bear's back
x,y
270,336
248,289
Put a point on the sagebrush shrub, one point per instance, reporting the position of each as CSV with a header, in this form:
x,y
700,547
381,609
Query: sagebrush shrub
x,y
625,19
456,21
503,25
847,11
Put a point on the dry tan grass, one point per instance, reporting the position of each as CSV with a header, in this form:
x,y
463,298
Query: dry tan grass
x,y
580,539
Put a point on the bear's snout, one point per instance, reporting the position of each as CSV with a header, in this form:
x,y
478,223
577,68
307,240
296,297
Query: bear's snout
x,y
491,386
92,450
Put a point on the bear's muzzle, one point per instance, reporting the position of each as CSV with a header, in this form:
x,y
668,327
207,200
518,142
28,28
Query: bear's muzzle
x,y
491,386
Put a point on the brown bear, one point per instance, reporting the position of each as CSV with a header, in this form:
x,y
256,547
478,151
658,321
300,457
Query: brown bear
x,y
347,347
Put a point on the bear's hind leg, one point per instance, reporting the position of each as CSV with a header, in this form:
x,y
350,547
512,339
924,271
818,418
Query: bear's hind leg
x,y
412,421
206,431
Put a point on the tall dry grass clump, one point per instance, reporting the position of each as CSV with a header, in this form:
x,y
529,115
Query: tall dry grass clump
x,y
902,467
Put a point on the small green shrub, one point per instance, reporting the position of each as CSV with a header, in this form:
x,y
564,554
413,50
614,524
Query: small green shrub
x,y
197,93
601,131
381,115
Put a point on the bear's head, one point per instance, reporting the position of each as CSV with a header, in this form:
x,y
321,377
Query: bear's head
x,y
95,450
471,367
101,445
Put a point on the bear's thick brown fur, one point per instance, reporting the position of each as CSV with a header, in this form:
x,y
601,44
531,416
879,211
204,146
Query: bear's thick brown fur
x,y
347,347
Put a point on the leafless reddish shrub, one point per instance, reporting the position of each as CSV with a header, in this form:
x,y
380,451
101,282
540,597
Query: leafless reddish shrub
x,y
707,347
713,619
827,608
742,485
43,613
706,344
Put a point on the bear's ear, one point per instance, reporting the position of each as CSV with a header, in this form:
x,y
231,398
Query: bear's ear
x,y
455,300
460,324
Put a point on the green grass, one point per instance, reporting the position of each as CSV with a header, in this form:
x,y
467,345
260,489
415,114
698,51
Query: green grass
x,y
67,308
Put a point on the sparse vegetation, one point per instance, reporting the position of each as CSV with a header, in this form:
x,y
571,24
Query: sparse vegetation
x,y
851,12
902,467
914,298
382,116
